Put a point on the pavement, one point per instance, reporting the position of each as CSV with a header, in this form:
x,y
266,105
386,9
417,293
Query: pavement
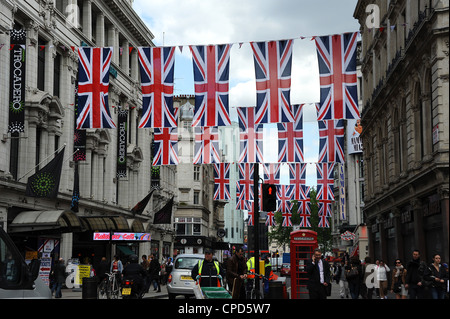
x,y
77,293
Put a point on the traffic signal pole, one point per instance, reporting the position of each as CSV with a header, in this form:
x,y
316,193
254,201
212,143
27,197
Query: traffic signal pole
x,y
256,222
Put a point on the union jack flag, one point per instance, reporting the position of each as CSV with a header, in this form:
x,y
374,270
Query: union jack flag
x,y
165,146
338,80
93,86
325,181
246,182
241,203
270,219
157,73
272,173
251,136
325,210
331,141
284,197
287,222
273,61
211,77
206,145
304,203
290,138
297,176
323,222
222,181
251,214
304,207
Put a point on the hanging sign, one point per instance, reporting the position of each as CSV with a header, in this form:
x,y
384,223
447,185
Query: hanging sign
x,y
354,141
122,143
17,82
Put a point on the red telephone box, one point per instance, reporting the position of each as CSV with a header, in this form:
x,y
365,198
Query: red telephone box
x,y
303,243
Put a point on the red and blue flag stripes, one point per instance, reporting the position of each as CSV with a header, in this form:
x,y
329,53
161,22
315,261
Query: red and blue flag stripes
x,y
93,87
157,75
222,181
336,56
251,136
211,80
273,64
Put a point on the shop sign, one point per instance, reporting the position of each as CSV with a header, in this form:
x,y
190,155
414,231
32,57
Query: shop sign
x,y
102,236
123,236
303,238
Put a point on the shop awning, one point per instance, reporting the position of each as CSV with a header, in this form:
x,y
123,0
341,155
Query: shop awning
x,y
136,226
105,223
61,220
124,249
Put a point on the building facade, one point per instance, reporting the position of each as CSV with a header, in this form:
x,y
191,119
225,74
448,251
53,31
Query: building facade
x,y
199,219
54,31
405,118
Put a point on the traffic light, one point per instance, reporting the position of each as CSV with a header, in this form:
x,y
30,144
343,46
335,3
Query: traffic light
x,y
269,197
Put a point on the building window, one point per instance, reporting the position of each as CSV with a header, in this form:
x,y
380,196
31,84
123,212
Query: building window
x,y
56,75
196,197
41,66
188,226
196,173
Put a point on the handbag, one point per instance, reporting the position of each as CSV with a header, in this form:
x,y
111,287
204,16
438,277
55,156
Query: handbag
x,y
397,286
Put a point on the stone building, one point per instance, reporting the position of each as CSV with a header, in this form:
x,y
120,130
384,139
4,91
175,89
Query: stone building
x,y
199,219
405,118
55,29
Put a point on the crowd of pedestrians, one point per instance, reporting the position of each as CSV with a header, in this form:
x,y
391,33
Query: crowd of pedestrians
x,y
414,280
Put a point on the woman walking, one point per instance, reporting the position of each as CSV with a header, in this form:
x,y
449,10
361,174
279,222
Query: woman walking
x,y
399,280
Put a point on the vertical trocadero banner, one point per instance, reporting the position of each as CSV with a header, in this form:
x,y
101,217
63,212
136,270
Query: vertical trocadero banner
x,y
122,143
17,84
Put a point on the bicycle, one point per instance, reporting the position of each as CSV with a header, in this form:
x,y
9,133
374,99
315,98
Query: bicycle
x,y
253,293
109,287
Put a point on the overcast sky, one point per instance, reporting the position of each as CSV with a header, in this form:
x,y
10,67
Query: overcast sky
x,y
203,22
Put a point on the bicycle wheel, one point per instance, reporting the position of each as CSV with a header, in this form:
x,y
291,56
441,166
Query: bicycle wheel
x,y
115,290
102,290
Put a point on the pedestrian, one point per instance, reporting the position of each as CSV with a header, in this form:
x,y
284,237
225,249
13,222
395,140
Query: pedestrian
x,y
370,284
318,273
208,272
60,277
399,280
341,279
438,276
145,264
169,267
382,276
117,268
153,270
354,277
236,274
414,277
102,269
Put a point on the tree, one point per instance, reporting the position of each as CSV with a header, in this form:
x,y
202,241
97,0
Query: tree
x,y
281,234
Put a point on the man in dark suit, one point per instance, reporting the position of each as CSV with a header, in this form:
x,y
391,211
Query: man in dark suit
x,y
318,271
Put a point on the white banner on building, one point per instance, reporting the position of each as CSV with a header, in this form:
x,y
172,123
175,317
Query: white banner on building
x,y
354,142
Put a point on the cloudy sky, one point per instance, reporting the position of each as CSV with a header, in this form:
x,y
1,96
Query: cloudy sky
x,y
203,22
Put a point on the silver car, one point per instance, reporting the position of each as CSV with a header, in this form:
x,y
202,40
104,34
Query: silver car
x,y
180,281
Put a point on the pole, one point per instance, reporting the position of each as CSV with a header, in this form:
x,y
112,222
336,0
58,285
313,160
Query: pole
x,y
256,222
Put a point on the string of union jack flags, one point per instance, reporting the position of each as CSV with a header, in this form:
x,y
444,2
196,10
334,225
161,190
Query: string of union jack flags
x,y
336,56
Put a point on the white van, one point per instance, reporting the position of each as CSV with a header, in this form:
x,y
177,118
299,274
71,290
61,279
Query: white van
x,y
17,280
